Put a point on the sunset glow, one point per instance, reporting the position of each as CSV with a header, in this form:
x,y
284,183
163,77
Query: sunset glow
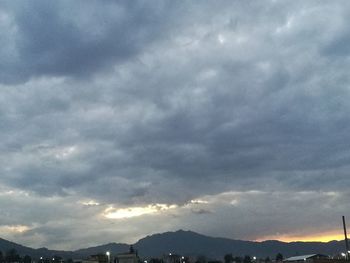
x,y
129,212
325,237
14,228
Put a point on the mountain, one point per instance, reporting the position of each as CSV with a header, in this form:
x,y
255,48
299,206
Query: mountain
x,y
114,248
189,243
6,245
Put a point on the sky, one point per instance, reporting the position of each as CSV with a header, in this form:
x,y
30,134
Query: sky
x,y
120,119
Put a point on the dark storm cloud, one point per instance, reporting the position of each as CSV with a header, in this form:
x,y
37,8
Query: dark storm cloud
x,y
76,39
119,103
219,135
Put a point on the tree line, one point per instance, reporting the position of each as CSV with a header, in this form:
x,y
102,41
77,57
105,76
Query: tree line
x,y
11,256
229,258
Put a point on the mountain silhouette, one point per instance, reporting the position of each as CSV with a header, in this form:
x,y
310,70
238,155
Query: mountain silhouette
x,y
189,243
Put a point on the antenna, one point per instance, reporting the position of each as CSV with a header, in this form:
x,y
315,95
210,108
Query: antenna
x,y
346,239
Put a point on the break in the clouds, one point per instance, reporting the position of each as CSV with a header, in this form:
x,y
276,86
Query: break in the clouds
x,y
119,119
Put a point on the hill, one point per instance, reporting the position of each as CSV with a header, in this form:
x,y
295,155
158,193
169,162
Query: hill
x,y
190,244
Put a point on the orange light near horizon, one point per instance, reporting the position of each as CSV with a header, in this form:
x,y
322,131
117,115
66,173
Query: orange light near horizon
x,y
324,237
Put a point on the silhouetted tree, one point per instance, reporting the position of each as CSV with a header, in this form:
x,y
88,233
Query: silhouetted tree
x,y
12,256
238,259
247,259
267,260
27,259
155,260
201,259
1,257
279,257
69,260
228,258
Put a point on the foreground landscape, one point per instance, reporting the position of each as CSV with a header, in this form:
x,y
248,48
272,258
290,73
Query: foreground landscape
x,y
190,244
121,119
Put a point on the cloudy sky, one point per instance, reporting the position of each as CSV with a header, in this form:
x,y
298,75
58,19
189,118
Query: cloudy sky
x,y
120,119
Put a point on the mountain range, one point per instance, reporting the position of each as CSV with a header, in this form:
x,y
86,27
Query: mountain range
x,y
189,243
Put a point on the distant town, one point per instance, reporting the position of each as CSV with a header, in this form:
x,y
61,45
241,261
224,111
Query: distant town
x,y
131,256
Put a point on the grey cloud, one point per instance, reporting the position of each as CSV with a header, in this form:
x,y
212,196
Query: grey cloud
x,y
138,103
76,39
270,213
201,211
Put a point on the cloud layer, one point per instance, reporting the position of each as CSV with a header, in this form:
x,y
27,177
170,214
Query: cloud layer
x,y
110,106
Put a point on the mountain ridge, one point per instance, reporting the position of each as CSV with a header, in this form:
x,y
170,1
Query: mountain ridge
x,y
188,243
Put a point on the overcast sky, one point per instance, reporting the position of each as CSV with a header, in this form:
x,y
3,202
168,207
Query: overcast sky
x,y
120,119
